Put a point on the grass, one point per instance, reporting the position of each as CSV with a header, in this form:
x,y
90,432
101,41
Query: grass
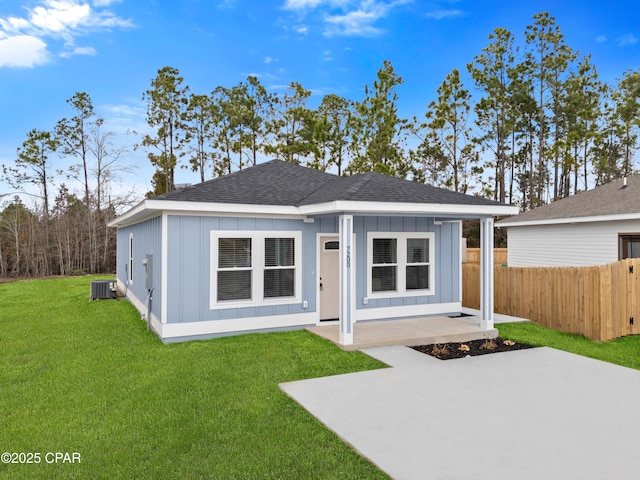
x,y
623,351
87,377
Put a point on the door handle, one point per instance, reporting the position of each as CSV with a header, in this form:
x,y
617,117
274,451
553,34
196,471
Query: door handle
x,y
320,283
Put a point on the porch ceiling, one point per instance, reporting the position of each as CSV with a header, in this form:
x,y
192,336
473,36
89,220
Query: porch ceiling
x,y
409,332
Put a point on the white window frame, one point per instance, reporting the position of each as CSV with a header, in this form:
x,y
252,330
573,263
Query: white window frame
x,y
401,264
257,268
130,260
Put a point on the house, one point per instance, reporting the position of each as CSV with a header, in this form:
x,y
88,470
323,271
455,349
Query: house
x,y
594,227
280,246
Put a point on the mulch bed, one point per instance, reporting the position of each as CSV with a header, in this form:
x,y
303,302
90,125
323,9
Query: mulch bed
x,y
447,351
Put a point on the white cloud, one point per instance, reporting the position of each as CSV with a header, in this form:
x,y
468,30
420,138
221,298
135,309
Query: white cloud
x,y
78,51
104,3
22,51
357,22
59,16
440,14
124,118
13,24
299,4
628,39
56,19
601,38
344,17
268,60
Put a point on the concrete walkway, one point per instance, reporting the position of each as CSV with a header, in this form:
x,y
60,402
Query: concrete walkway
x,y
528,414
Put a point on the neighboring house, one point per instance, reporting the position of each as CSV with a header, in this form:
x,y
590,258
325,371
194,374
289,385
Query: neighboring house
x,y
282,246
590,228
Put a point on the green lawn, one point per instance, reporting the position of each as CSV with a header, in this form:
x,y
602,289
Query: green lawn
x,y
87,377
623,351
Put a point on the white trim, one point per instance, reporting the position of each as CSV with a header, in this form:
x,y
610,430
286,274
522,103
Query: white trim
x,y
164,274
554,221
401,264
460,246
407,208
257,267
150,207
407,311
209,327
486,273
130,261
347,279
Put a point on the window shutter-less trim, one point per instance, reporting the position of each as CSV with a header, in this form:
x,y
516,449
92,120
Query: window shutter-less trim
x,y
400,263
251,268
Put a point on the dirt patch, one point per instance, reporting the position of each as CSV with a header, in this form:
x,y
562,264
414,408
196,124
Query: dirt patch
x,y
447,351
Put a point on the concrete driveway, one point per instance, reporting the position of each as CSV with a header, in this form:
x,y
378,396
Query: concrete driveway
x,y
528,414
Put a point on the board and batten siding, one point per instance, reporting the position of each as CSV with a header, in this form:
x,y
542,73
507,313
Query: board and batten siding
x,y
189,266
446,261
147,240
564,245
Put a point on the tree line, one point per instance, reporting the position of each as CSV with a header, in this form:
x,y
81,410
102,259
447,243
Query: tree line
x,y
536,125
63,233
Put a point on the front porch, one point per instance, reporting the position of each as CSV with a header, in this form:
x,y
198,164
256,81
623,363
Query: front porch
x,y
408,332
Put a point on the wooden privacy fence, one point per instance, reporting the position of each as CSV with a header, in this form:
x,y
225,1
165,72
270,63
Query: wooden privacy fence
x,y
598,302
499,256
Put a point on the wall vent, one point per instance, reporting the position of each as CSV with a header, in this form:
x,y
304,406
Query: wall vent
x,y
103,289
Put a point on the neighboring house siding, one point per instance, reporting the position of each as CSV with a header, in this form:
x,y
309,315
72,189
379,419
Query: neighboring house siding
x,y
147,239
577,244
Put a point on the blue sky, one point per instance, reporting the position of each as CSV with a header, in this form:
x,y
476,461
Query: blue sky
x,y
112,49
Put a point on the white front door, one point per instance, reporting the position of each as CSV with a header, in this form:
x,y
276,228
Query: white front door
x,y
329,278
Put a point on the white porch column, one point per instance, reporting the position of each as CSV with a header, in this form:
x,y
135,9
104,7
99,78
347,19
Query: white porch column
x,y
347,283
486,273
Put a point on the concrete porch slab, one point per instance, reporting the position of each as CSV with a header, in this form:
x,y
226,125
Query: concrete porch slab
x,y
406,331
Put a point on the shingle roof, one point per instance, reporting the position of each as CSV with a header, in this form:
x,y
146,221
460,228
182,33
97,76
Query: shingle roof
x,y
281,183
610,199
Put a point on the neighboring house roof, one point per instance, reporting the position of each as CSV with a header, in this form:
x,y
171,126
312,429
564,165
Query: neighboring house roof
x,y
278,187
613,201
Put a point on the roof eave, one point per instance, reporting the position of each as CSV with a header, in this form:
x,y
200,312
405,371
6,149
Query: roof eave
x,y
407,208
149,208
559,221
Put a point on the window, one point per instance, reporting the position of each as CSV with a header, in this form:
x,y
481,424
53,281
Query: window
x,y
234,269
384,272
417,264
629,246
400,264
279,267
130,262
331,246
255,268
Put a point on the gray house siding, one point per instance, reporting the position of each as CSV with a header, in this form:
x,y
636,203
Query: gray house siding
x,y
189,267
147,240
189,263
447,258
